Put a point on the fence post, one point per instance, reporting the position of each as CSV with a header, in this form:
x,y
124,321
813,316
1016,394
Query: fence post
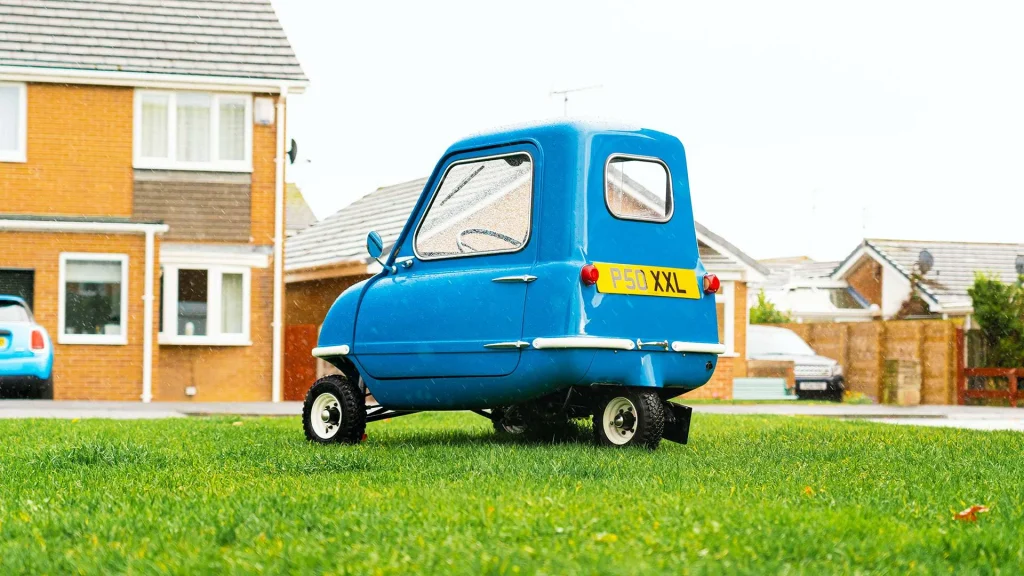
x,y
1012,378
961,380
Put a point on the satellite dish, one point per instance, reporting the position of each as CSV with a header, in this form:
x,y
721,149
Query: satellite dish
x,y
293,152
925,261
1020,264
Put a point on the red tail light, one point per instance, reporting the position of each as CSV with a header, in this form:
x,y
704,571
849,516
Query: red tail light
x,y
711,284
589,274
38,342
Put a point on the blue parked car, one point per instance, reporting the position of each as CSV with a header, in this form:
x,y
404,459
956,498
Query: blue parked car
x,y
547,273
26,353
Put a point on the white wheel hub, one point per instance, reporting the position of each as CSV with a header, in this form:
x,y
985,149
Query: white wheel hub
x,y
325,416
619,421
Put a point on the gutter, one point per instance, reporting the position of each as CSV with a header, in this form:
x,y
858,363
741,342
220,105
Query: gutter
x,y
150,231
150,80
278,321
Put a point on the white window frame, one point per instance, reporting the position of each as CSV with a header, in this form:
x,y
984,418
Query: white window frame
x,y
214,278
171,163
98,339
727,296
19,154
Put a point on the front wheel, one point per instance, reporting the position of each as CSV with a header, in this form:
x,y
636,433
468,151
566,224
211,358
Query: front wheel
x,y
334,411
629,417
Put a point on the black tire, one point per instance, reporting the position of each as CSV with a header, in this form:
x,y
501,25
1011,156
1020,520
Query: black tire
x,y
648,419
45,389
347,411
508,421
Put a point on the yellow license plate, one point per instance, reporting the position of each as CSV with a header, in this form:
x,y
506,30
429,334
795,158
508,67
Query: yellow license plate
x,y
3,342
646,280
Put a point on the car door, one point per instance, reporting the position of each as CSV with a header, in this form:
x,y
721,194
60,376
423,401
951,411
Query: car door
x,y
454,304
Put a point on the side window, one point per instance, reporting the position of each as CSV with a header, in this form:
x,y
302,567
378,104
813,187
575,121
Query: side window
x,y
482,206
638,189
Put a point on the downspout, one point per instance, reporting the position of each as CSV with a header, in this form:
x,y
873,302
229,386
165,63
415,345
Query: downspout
x,y
277,325
147,321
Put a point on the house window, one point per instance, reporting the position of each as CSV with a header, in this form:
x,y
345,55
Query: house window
x,y
482,206
93,306
193,131
13,122
206,305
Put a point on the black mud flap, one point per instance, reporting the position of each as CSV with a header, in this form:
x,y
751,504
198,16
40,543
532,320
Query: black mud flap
x,y
677,422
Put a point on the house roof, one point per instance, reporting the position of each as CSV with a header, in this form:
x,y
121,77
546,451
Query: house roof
x,y
298,214
955,264
241,38
796,272
341,237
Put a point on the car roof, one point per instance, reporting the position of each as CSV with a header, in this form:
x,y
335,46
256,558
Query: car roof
x,y
12,298
547,130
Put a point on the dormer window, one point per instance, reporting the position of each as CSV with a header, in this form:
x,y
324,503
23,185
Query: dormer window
x,y
193,131
13,122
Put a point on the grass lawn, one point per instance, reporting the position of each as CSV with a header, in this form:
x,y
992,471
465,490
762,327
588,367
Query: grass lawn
x,y
438,493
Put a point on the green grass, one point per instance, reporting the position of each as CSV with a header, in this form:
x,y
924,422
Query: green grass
x,y
438,493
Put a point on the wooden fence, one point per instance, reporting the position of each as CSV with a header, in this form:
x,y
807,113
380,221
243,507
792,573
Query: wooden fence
x,y
863,347
1012,375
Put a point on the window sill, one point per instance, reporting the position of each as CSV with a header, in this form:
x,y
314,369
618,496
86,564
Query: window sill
x,y
165,340
14,159
243,167
89,340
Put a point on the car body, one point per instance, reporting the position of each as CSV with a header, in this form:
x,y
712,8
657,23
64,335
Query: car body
x,y
816,376
26,352
539,262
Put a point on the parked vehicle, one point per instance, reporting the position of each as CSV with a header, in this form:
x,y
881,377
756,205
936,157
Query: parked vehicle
x,y
816,376
546,273
26,353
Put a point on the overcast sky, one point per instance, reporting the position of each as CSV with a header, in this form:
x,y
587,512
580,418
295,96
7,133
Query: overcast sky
x,y
807,126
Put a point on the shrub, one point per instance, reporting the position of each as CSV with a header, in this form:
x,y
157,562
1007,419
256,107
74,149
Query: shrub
x,y
764,312
999,310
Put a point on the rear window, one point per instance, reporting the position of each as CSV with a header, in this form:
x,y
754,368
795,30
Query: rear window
x,y
11,311
638,189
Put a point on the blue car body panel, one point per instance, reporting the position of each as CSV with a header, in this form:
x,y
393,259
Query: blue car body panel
x,y
418,335
17,359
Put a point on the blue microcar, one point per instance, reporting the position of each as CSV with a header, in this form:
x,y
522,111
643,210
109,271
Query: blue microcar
x,y
547,273
26,353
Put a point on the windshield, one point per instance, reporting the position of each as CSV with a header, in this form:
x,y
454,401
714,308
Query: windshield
x,y
777,342
11,311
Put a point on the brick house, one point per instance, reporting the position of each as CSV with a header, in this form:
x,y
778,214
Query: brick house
x,y
330,256
142,156
879,276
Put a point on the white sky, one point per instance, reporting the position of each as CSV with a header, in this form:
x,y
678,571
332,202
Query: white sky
x,y
807,126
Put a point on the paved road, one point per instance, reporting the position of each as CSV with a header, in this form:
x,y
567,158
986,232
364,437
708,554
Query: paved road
x,y
970,417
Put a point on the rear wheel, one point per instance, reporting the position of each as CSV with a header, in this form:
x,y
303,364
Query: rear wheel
x,y
334,411
508,421
629,417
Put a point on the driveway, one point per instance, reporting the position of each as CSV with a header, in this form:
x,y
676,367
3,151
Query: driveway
x,y
968,417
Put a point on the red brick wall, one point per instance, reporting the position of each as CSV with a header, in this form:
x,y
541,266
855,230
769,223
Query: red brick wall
x,y
79,153
866,279
84,371
236,373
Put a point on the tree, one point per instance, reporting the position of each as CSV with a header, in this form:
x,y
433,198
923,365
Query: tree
x,y
999,310
764,312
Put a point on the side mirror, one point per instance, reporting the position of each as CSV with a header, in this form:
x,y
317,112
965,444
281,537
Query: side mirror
x,y
375,247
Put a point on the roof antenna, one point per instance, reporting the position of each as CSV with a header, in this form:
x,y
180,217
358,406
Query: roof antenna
x,y
565,95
